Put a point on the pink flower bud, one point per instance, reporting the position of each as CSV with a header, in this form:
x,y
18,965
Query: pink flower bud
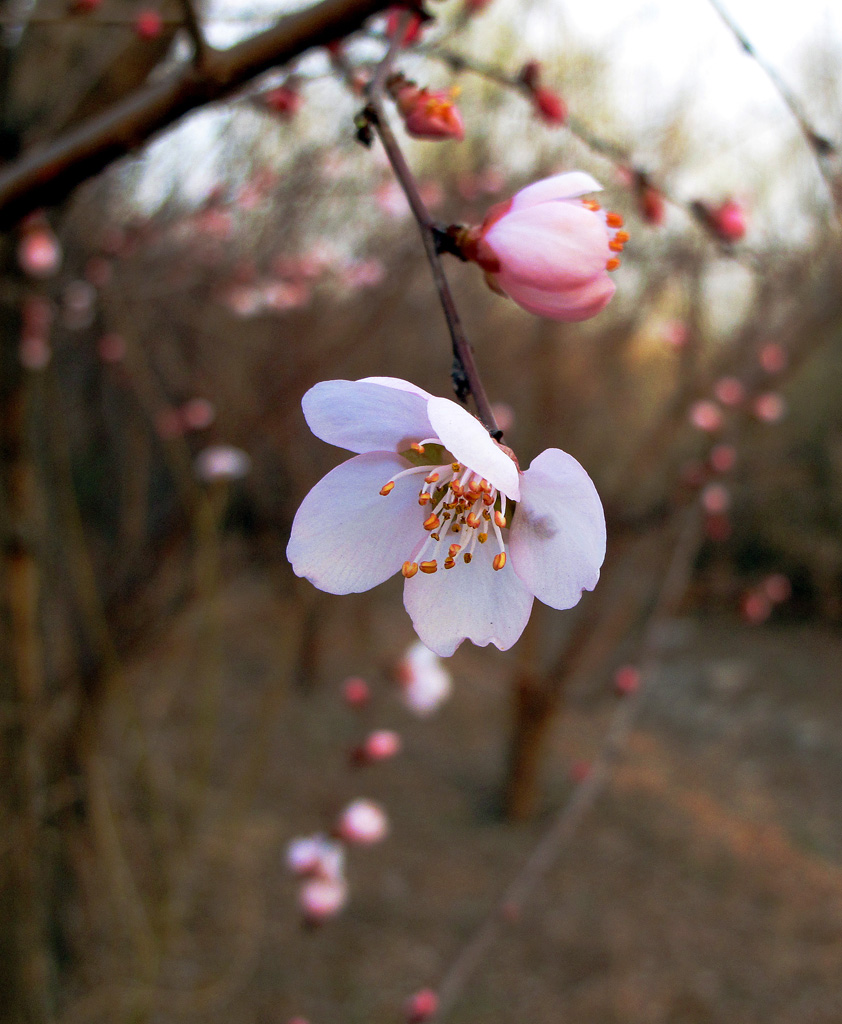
x,y
723,458
413,29
627,680
426,684
651,205
728,221
706,415
769,408
320,899
429,115
148,24
549,106
283,100
715,499
549,249
729,390
755,607
675,333
198,414
381,745
421,1006
39,252
773,358
363,823
356,692
316,857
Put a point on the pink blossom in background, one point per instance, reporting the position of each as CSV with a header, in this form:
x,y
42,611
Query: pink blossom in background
x,y
723,458
112,348
777,587
320,899
380,745
430,494
356,692
770,407
755,607
222,462
627,680
39,253
429,114
674,333
363,823
148,24
706,416
549,249
391,200
431,192
715,499
425,683
773,358
283,295
363,273
34,352
729,220
284,100
198,413
316,857
729,390
421,1006
243,300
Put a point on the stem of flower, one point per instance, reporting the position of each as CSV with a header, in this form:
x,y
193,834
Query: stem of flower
x,y
466,378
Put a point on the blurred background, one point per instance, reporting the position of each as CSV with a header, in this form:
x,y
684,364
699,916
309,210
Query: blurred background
x,y
173,702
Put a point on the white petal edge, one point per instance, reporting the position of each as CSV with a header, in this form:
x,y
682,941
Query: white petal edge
x,y
397,384
467,439
569,185
557,537
362,416
468,602
347,537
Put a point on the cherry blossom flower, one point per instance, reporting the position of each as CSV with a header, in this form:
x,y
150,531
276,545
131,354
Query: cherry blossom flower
x,y
549,249
432,495
424,682
221,462
356,692
363,822
421,1006
316,857
322,898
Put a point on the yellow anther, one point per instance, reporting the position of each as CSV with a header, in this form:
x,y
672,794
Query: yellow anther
x,y
473,520
428,567
416,447
449,563
499,519
457,488
590,204
454,550
486,515
482,537
455,527
622,236
485,486
409,569
467,557
615,246
487,499
424,498
613,220
612,264
387,488
499,560
455,466
432,521
431,479
435,536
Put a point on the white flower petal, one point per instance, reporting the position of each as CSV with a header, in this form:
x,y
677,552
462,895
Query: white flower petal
x,y
366,417
397,383
347,537
569,185
468,602
557,537
467,439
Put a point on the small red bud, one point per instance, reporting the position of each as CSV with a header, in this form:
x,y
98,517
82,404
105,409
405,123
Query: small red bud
x,y
148,24
626,680
549,106
421,1006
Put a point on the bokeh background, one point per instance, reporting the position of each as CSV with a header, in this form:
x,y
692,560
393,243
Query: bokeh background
x,y
172,711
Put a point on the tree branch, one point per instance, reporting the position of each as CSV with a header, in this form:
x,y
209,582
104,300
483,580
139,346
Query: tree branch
x,y
47,174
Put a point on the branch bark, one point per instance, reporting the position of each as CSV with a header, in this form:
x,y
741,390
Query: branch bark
x,y
47,174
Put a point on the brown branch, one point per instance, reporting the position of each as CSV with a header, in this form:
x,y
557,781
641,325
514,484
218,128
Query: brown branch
x,y
201,50
46,174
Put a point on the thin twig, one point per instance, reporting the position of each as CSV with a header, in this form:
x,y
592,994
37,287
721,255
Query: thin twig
x,y
466,378
566,823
